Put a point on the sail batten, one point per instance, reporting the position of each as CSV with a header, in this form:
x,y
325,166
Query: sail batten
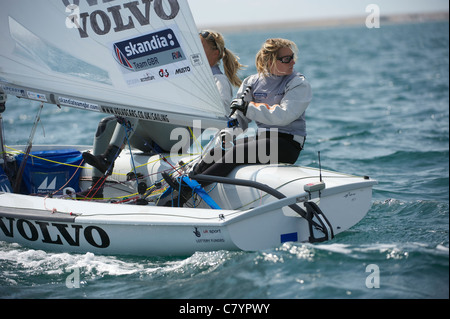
x,y
135,57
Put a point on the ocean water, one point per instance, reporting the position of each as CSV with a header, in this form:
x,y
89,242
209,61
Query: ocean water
x,y
380,108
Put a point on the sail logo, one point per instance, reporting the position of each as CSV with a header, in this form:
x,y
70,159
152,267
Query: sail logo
x,y
148,51
118,17
53,233
134,49
47,186
176,55
121,58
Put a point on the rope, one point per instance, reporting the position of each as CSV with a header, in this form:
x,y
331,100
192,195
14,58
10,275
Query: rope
x,y
101,181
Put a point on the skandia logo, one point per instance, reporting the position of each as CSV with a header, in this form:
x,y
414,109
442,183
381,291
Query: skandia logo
x,y
147,51
155,43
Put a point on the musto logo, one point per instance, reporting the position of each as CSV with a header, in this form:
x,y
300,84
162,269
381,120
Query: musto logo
x,y
148,51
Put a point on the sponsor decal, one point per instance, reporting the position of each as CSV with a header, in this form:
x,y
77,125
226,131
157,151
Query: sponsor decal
x,y
118,17
196,59
36,96
148,51
260,95
151,57
147,77
45,186
136,113
53,233
142,57
13,91
78,104
208,235
163,73
183,70
177,55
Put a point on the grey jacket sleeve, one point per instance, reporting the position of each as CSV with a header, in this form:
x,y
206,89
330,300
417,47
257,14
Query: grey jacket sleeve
x,y
297,97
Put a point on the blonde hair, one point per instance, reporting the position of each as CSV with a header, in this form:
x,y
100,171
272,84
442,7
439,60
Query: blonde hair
x,y
266,58
230,61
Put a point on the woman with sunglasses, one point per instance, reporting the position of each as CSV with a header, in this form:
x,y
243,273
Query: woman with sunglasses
x,y
276,100
214,45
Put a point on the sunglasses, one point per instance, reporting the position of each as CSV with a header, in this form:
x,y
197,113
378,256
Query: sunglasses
x,y
205,35
286,59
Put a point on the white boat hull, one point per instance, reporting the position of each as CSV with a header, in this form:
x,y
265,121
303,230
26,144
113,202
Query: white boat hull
x,y
130,230
248,220
171,85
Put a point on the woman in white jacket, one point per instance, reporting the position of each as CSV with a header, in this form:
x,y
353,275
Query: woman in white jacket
x,y
277,98
153,136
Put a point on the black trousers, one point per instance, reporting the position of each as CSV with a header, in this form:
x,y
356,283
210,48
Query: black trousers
x,y
261,149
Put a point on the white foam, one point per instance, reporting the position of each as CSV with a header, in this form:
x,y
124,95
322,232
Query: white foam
x,y
336,248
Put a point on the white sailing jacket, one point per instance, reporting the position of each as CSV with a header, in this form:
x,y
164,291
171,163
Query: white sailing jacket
x,y
224,87
277,102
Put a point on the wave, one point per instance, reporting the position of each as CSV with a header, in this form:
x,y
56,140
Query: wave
x,y
337,269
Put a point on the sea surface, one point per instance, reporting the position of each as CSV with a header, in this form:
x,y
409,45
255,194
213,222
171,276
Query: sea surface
x,y
380,108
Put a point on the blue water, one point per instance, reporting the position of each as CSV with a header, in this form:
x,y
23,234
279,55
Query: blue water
x,y
380,108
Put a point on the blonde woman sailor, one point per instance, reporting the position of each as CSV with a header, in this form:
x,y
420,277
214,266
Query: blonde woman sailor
x,y
276,100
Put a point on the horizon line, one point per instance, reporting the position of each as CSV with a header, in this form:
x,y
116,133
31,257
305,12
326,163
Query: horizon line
x,y
331,22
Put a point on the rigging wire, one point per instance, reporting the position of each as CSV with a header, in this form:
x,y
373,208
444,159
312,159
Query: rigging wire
x,y
18,179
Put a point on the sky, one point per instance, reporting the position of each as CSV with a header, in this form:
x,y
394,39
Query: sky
x,y
238,12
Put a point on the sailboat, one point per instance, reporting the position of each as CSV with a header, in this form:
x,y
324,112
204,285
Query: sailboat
x,y
144,59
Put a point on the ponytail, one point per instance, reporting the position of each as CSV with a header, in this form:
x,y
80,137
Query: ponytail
x,y
231,67
231,63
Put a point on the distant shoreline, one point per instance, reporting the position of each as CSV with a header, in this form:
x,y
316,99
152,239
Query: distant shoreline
x,y
333,22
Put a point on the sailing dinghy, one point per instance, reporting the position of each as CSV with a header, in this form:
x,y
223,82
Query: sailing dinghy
x,y
144,59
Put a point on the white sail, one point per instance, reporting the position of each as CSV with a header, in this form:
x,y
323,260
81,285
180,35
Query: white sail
x,y
139,59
